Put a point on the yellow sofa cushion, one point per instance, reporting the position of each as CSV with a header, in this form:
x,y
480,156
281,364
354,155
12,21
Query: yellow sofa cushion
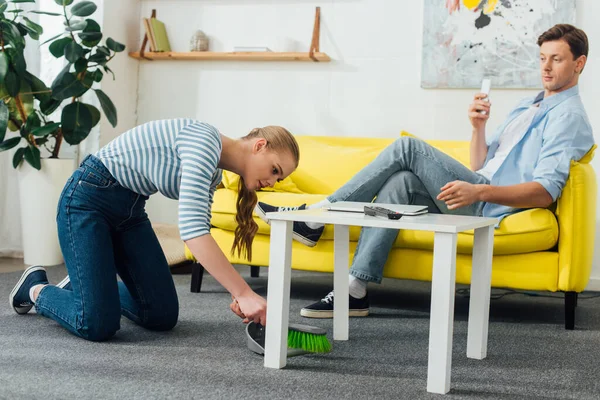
x,y
524,232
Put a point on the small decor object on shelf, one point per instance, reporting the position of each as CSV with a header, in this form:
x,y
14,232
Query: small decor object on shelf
x,y
199,41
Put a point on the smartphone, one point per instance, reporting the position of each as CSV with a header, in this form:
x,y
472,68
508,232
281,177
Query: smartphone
x,y
486,85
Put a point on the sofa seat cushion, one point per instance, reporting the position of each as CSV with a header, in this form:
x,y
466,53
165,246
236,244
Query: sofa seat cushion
x,y
524,232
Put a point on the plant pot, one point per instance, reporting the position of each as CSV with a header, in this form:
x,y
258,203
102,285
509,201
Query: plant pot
x,y
39,192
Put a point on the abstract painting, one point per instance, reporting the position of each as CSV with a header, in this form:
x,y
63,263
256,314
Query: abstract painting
x,y
465,41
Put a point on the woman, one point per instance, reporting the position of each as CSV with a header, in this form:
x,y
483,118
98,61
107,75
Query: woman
x,y
104,229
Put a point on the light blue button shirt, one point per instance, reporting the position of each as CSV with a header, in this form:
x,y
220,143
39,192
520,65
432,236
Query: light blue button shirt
x,y
560,132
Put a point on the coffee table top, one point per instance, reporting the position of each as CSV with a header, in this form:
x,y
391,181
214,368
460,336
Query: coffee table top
x,y
427,222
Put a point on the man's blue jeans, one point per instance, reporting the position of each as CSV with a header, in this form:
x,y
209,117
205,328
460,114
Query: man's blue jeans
x,y
104,231
409,171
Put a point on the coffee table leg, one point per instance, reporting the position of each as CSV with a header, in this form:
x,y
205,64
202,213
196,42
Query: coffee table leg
x,y
278,294
441,325
340,282
479,303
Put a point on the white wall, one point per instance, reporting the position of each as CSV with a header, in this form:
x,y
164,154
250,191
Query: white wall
x,y
372,87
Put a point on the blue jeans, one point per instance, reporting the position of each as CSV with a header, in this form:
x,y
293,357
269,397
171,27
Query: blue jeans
x,y
103,231
409,171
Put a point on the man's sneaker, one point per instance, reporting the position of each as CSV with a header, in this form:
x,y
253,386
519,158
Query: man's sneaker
x,y
301,232
324,307
65,283
19,296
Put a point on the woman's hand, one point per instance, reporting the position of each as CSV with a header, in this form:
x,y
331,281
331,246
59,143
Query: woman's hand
x,y
251,307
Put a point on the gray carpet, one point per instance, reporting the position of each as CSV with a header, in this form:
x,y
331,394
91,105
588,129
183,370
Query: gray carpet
x,y
530,355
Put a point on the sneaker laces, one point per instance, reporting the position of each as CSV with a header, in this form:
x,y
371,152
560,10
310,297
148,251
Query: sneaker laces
x,y
288,208
328,299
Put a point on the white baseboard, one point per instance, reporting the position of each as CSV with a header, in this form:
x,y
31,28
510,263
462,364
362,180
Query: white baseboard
x,y
594,284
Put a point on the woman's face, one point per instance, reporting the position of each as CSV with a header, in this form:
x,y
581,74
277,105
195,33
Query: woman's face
x,y
266,167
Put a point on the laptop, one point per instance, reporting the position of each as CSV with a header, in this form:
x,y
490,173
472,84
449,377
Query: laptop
x,y
350,206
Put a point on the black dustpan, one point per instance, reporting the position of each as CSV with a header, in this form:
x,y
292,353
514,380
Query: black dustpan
x,y
255,334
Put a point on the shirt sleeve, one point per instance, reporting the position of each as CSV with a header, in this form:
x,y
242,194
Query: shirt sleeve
x,y
199,148
567,138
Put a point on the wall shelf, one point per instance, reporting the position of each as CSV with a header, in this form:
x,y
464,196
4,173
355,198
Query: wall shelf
x,y
233,56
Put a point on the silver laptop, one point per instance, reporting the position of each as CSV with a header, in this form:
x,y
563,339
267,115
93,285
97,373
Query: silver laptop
x,y
350,206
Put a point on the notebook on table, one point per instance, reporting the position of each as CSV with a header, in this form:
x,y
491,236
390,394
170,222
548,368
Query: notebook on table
x,y
350,206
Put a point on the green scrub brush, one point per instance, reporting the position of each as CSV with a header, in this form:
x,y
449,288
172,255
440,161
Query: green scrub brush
x,y
302,339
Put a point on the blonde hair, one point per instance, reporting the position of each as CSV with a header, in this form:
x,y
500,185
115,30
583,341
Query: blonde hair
x,y
279,140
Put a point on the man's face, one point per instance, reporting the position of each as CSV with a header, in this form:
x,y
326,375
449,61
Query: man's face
x,y
560,71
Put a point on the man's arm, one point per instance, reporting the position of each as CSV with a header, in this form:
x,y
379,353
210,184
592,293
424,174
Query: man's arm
x,y
458,194
479,147
522,195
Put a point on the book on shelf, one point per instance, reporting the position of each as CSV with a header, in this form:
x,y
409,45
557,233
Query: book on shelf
x,y
157,35
148,30
249,49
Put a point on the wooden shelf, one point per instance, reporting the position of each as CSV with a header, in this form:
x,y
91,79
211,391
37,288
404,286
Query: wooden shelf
x,y
233,56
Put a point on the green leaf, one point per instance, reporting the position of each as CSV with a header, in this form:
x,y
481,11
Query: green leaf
x,y
33,122
98,58
76,122
73,51
67,87
52,38
108,107
98,75
76,25
63,2
11,34
48,106
33,25
95,114
114,45
3,66
83,9
22,1
103,50
32,156
57,48
41,141
3,7
106,69
92,34
18,157
46,129
10,143
4,114
81,65
38,87
45,13
17,60
12,83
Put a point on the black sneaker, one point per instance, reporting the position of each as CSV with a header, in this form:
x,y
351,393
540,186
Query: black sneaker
x,y
301,232
65,283
324,307
19,296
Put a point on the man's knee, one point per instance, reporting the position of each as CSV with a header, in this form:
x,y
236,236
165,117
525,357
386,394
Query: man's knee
x,y
398,188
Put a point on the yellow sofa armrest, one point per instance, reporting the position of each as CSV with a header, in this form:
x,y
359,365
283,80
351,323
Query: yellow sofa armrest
x,y
576,214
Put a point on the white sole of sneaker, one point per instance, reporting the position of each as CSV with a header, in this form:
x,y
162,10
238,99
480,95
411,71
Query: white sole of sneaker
x,y
64,282
262,215
11,297
329,314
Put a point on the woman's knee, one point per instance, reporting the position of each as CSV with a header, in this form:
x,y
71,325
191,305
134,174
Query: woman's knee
x,y
98,329
161,321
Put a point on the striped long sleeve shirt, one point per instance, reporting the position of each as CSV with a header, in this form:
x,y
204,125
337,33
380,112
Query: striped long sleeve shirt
x,y
177,157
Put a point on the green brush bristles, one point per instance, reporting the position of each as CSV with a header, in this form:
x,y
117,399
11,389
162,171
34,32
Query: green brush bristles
x,y
313,343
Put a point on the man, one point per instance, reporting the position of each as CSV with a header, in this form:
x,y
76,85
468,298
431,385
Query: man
x,y
524,164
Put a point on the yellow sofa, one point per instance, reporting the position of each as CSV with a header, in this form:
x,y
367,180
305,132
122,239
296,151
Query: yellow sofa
x,y
537,249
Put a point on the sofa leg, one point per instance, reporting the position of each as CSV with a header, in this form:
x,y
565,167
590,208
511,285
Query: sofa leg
x,y
570,304
197,274
254,271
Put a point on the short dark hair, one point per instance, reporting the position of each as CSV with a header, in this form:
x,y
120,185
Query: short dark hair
x,y
575,38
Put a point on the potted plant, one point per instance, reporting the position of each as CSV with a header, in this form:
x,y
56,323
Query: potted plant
x,y
31,109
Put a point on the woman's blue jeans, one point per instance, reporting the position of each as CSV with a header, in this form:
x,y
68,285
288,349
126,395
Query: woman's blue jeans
x,y
409,171
104,231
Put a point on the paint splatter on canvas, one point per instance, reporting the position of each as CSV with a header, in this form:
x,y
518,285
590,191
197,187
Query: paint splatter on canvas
x,y
467,40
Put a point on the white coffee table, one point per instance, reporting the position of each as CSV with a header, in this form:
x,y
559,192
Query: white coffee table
x,y
446,228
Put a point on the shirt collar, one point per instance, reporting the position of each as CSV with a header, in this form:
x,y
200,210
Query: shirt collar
x,y
556,99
